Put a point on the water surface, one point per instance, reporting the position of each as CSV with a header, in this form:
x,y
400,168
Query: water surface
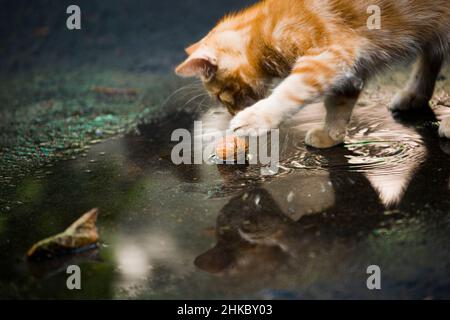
x,y
201,231
208,231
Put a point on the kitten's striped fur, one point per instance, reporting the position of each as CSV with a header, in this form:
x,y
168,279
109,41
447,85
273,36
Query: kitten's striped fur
x,y
323,49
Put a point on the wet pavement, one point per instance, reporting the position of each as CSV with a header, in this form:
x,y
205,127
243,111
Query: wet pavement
x,y
226,231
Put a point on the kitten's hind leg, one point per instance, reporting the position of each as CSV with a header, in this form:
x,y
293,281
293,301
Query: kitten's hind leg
x,y
339,106
420,86
444,128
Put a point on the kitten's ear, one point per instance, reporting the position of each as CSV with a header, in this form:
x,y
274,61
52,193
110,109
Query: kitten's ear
x,y
192,48
197,66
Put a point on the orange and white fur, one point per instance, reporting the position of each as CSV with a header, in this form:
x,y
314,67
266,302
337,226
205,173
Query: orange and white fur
x,y
322,49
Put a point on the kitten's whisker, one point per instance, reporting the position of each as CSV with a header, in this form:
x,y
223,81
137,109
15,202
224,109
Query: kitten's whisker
x,y
196,97
191,86
201,104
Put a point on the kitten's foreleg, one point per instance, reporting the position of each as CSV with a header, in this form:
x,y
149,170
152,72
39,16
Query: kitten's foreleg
x,y
419,88
339,109
312,77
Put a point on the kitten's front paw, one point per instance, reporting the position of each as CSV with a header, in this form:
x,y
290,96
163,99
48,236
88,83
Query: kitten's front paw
x,y
255,120
320,138
406,100
444,128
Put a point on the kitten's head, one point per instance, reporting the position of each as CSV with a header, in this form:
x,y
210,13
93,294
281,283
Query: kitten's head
x,y
223,63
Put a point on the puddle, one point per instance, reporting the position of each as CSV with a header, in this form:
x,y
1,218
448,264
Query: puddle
x,y
209,231
202,231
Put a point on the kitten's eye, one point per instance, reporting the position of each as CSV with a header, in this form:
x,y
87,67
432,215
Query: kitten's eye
x,y
226,97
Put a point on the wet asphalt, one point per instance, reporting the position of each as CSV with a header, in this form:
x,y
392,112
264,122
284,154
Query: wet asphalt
x,y
202,231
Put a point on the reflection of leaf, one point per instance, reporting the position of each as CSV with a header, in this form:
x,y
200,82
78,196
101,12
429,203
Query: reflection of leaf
x,y
48,268
81,234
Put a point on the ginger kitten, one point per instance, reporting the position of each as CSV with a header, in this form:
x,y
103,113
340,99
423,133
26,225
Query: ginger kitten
x,y
322,49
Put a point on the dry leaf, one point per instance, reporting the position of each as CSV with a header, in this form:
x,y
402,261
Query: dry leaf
x,y
82,233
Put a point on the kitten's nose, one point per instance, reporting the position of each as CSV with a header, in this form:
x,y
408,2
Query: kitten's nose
x,y
248,101
231,109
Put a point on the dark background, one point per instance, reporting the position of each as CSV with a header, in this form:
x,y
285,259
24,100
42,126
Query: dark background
x,y
142,36
48,72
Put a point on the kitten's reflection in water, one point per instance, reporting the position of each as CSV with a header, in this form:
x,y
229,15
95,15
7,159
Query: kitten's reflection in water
x,y
256,235
257,232
251,224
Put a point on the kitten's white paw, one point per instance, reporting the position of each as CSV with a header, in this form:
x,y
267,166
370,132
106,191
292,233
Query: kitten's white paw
x,y
320,138
444,128
255,120
407,100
